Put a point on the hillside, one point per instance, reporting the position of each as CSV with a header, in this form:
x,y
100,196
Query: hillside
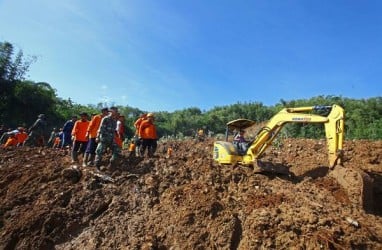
x,y
189,202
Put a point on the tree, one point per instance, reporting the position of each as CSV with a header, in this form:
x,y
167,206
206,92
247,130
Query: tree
x,y
13,69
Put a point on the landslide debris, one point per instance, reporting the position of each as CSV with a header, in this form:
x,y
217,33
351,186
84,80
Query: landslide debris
x,y
189,202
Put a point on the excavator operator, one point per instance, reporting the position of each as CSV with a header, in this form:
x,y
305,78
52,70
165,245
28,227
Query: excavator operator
x,y
240,142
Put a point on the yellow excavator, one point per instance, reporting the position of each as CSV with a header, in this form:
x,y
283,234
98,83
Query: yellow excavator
x,y
357,183
226,152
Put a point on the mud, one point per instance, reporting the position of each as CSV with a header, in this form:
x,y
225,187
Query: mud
x,y
189,202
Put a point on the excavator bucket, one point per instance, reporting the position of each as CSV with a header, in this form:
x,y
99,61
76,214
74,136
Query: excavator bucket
x,y
357,184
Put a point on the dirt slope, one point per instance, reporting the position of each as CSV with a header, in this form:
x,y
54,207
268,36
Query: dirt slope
x,y
189,202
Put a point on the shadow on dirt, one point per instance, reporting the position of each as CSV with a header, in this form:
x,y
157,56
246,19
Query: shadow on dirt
x,y
377,192
319,172
273,170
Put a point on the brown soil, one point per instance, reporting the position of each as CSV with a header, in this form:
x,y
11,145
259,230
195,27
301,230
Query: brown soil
x,y
189,202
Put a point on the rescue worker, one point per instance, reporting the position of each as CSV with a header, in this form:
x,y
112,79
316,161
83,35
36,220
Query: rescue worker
x,y
105,138
3,134
79,136
11,141
52,137
200,135
91,133
67,132
169,151
138,142
21,136
36,132
148,135
7,134
132,148
57,142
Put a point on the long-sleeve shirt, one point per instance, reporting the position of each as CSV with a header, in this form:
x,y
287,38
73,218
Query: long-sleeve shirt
x,y
79,130
38,127
94,126
138,123
68,127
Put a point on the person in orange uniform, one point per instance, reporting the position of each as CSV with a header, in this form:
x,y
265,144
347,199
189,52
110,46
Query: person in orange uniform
x,y
21,136
56,142
79,136
11,141
138,122
132,148
138,142
169,152
148,135
91,133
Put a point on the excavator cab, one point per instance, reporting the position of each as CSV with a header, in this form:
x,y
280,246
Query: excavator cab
x,y
227,151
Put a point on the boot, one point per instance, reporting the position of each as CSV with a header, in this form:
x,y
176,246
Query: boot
x,y
112,165
97,162
85,159
74,156
91,160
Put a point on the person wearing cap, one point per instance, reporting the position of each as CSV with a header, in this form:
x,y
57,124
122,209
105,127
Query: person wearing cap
x,y
79,136
67,132
148,134
91,133
106,138
36,132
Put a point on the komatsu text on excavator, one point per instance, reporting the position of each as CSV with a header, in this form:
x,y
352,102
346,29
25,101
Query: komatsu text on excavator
x,y
226,152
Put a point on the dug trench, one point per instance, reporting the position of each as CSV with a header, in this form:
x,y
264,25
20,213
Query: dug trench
x,y
189,202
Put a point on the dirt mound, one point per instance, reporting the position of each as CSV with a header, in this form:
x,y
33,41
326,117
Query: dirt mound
x,y
188,202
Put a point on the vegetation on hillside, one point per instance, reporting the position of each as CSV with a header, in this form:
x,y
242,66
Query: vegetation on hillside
x,y
21,100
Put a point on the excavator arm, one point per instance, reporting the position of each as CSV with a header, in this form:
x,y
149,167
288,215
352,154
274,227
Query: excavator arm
x,y
334,130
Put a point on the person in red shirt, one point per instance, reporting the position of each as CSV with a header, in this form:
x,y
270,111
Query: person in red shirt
x,y
79,136
91,134
148,135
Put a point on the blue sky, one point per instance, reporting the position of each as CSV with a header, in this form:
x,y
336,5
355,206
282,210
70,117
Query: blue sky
x,y
163,55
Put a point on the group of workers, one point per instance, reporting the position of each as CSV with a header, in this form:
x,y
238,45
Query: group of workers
x,y
90,137
20,137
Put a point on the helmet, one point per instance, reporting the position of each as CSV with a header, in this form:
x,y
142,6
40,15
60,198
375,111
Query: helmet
x,y
150,115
